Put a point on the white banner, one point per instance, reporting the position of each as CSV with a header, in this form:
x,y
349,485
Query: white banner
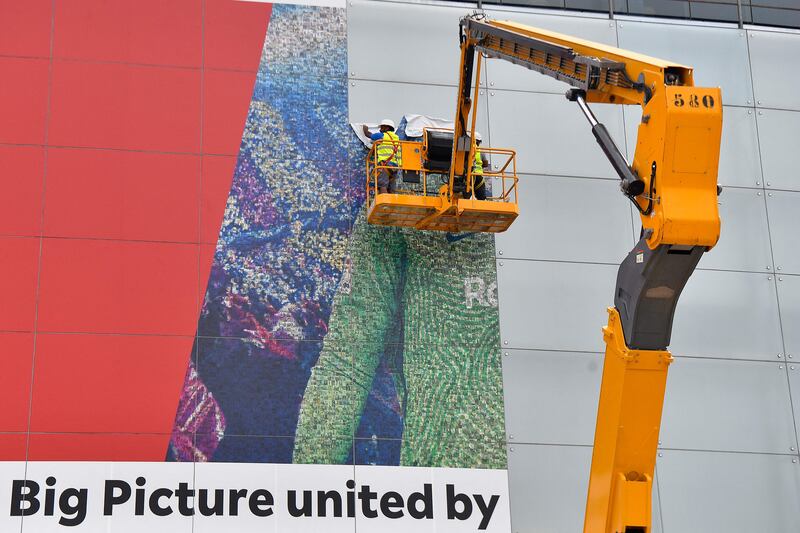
x,y
232,497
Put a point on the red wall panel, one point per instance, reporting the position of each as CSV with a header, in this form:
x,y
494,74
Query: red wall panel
x,y
216,183
131,107
77,369
206,261
105,194
16,360
146,31
226,99
20,260
97,447
95,286
21,178
235,33
25,28
23,100
115,174
13,446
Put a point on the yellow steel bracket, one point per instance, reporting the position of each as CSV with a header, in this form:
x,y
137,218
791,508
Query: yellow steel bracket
x,y
626,438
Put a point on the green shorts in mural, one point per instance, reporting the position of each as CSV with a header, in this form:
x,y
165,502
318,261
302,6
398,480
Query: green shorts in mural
x,y
429,306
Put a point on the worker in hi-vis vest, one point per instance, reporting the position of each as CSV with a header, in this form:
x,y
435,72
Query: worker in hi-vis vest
x,y
479,164
389,154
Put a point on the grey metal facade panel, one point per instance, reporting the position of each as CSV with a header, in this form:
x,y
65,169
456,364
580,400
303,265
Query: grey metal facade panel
x,y
554,306
728,315
778,132
794,387
723,405
390,41
789,296
504,75
568,219
371,101
700,48
730,492
744,235
773,55
784,223
551,397
656,522
550,134
548,487
739,161
636,223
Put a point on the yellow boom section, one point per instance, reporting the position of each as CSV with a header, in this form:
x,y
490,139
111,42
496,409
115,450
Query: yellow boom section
x,y
677,151
571,59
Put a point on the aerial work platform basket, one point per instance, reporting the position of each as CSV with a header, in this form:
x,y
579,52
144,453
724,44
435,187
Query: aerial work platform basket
x,y
427,197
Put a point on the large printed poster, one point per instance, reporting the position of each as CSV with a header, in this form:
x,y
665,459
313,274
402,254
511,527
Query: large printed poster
x,y
343,375
323,339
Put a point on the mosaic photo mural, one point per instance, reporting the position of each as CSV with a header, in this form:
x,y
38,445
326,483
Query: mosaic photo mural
x,y
323,339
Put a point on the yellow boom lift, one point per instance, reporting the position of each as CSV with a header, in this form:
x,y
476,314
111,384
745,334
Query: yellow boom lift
x,y
672,182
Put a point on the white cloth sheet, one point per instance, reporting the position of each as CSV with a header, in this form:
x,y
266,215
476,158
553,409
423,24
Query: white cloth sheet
x,y
414,124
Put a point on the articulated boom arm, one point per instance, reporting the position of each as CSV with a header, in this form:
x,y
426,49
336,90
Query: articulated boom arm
x,y
673,184
680,130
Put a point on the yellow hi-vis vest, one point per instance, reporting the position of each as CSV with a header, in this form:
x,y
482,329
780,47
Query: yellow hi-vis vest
x,y
477,169
385,149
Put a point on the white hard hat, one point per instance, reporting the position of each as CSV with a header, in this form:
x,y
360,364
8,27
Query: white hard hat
x,y
478,136
387,122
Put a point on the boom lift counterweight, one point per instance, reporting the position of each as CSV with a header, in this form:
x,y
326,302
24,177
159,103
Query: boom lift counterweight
x,y
672,182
